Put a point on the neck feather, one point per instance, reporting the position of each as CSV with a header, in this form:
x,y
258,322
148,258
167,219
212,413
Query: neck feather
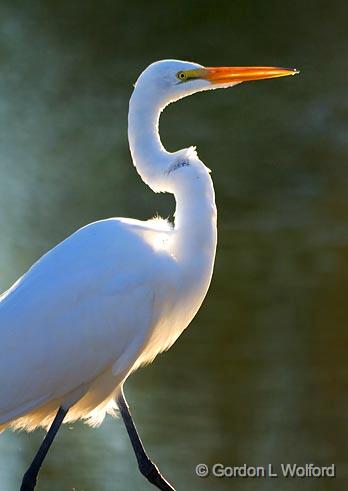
x,y
149,156
195,215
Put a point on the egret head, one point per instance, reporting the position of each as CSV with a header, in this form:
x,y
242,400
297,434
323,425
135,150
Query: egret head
x,y
160,84
170,80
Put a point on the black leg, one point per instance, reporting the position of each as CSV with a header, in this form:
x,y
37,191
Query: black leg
x,y
30,477
146,467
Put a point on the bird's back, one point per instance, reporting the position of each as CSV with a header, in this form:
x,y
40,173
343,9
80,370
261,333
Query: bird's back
x,y
84,306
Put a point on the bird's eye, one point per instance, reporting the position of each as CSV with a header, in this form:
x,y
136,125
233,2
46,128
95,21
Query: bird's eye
x,y
181,76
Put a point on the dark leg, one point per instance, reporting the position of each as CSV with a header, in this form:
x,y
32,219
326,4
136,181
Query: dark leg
x,y
30,477
146,467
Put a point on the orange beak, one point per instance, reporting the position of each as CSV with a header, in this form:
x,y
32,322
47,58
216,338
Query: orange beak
x,y
236,74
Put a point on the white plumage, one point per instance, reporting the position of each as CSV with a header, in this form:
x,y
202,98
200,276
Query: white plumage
x,y
119,291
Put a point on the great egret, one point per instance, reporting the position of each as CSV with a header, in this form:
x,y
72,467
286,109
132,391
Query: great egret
x,y
119,291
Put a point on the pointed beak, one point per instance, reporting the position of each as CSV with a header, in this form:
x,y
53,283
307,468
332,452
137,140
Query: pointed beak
x,y
237,74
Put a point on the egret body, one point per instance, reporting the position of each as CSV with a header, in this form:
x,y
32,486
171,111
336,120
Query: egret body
x,y
119,291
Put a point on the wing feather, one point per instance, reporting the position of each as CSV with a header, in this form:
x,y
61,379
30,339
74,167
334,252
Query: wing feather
x,y
76,311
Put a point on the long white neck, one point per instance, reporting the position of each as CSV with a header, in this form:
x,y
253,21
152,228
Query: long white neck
x,y
180,173
148,153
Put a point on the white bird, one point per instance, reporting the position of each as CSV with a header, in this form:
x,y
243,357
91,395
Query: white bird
x,y
119,291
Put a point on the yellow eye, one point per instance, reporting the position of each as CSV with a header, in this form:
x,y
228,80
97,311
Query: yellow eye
x,y
182,76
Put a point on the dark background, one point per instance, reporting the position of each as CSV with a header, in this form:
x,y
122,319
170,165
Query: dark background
x,y
261,375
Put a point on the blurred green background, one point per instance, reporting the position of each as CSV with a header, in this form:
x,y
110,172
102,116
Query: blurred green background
x,y
261,374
